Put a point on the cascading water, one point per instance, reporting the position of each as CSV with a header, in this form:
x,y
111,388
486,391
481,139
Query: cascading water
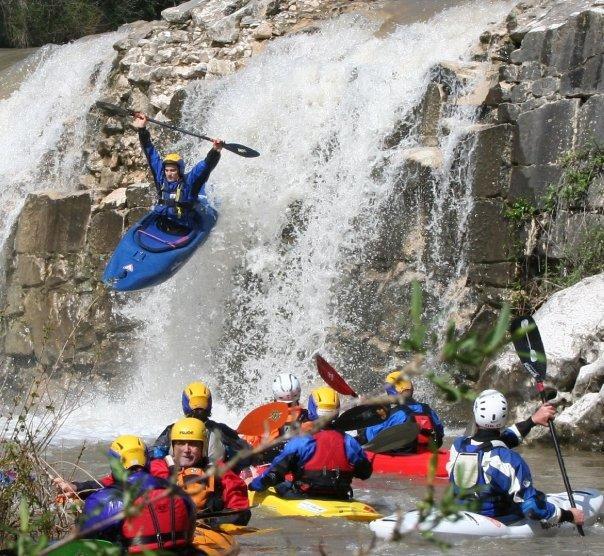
x,y
43,122
260,296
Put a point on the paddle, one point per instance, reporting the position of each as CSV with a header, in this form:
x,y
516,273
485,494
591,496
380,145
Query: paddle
x,y
358,417
266,418
393,438
529,347
332,378
241,150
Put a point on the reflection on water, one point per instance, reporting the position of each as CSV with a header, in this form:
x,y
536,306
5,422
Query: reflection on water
x,y
386,493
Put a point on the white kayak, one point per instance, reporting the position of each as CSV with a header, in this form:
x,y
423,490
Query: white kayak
x,y
472,525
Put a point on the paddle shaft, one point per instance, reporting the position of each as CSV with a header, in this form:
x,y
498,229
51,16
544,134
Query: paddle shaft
x,y
537,368
241,150
554,435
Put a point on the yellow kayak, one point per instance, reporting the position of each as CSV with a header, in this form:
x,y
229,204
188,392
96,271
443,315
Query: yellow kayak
x,y
313,507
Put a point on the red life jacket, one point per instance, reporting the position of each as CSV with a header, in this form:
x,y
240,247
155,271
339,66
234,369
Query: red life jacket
x,y
164,522
424,422
328,472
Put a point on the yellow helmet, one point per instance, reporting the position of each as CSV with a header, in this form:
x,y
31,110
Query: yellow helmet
x,y
196,396
188,428
323,401
130,450
172,158
397,382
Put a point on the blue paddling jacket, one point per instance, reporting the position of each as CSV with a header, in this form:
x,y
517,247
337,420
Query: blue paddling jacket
x,y
429,422
322,465
176,199
484,469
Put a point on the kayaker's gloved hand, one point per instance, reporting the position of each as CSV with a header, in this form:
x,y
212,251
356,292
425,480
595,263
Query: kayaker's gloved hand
x,y
257,484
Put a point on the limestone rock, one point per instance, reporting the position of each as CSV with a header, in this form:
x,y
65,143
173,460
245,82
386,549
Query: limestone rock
x,y
490,234
139,195
106,229
17,342
582,421
490,159
52,222
182,12
591,122
546,133
263,31
115,200
29,270
569,231
532,182
591,376
595,194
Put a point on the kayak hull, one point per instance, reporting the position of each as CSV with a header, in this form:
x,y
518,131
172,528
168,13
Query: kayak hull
x,y
147,256
473,525
411,465
352,510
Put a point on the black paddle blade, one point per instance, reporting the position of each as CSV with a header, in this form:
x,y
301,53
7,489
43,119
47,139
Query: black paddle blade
x,y
113,108
393,438
241,150
529,347
359,417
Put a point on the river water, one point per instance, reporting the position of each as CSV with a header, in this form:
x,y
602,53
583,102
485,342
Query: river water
x,y
387,493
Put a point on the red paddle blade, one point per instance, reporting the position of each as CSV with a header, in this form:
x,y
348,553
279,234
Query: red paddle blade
x,y
268,417
333,379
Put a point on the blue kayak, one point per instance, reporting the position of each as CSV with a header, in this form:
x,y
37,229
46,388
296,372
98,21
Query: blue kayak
x,y
150,252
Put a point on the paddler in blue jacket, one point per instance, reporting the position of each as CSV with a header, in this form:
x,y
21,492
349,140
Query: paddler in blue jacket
x,y
430,426
177,191
323,464
483,468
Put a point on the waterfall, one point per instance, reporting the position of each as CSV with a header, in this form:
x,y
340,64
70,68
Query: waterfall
x,y
261,295
43,122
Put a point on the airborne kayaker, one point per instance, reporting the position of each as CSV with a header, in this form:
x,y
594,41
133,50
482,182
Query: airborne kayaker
x,y
483,468
429,423
224,491
287,389
323,464
177,191
223,442
167,516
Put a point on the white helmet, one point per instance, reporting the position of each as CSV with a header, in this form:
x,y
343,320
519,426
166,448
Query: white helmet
x,y
286,388
490,410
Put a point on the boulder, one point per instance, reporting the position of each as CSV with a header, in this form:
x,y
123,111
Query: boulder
x,y
571,324
52,222
139,195
581,423
591,376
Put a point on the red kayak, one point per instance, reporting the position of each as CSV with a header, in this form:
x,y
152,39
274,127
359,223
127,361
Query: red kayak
x,y
412,465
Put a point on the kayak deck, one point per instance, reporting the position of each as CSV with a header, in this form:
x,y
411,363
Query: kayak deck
x,y
412,465
352,510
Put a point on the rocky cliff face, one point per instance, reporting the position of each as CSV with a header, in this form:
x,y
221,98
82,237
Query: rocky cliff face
x,y
529,100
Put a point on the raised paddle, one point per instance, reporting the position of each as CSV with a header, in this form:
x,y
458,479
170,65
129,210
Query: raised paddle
x,y
393,438
241,150
333,378
529,347
266,418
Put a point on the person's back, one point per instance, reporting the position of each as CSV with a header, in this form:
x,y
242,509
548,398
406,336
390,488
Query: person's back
x,y
485,471
431,430
323,464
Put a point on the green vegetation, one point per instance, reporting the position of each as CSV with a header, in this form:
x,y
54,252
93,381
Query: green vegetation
x,y
25,23
579,247
519,211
